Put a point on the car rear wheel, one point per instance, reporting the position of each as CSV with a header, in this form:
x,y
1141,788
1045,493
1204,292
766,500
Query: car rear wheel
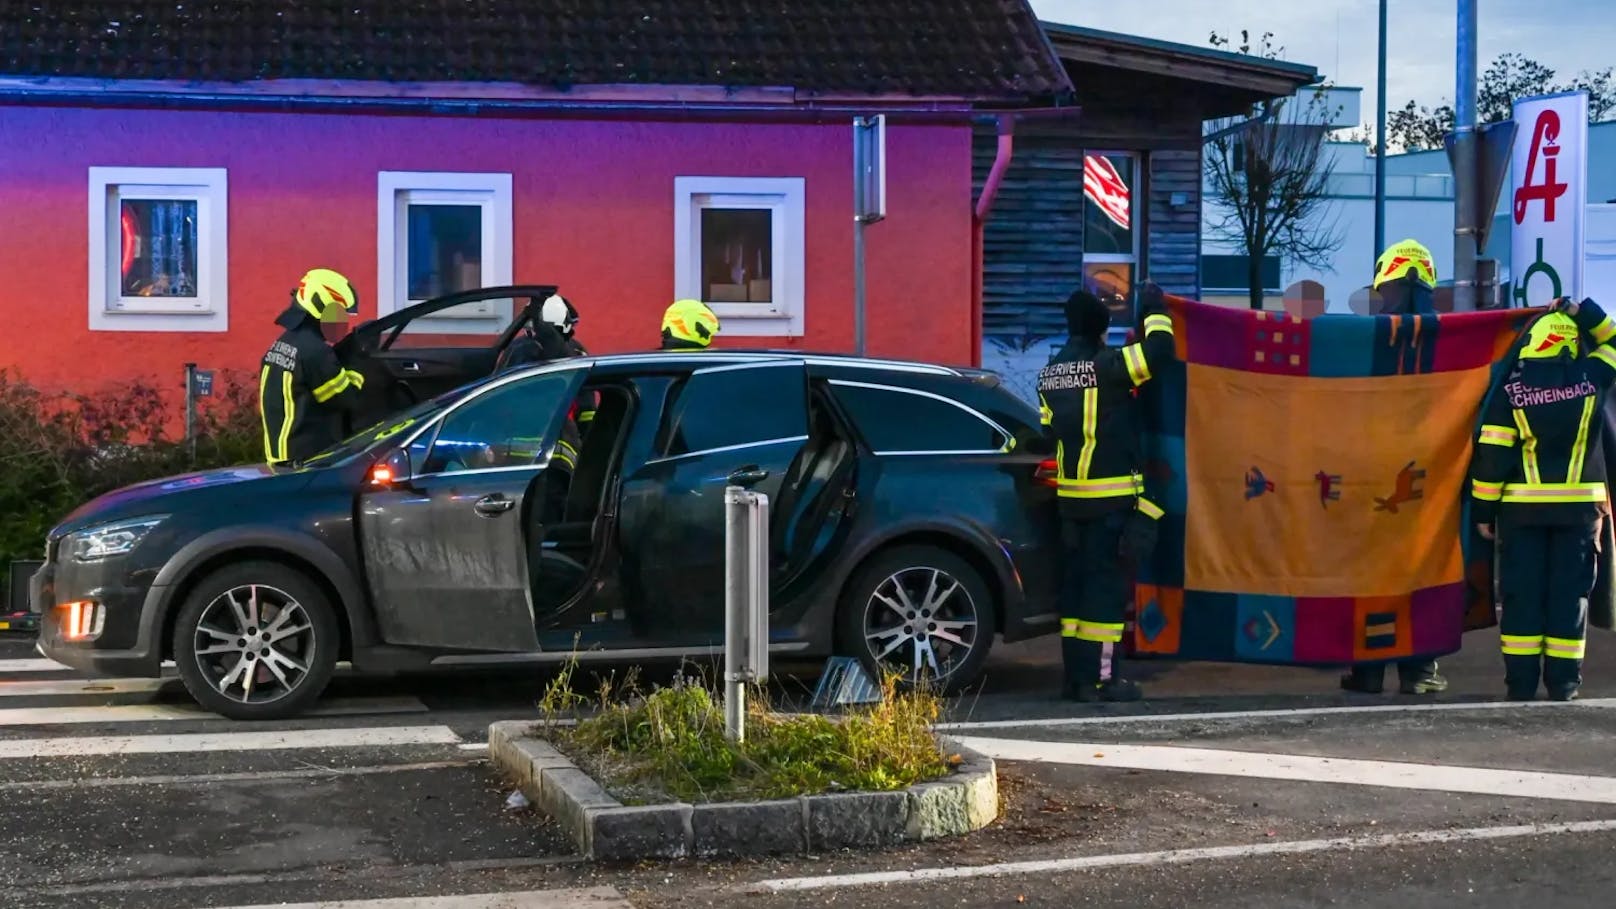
x,y
921,611
256,641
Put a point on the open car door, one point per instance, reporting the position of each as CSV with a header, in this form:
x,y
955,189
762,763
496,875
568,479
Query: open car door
x,y
429,348
446,543
741,424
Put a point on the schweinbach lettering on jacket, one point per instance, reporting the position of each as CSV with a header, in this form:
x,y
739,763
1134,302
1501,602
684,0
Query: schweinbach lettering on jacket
x,y
1072,374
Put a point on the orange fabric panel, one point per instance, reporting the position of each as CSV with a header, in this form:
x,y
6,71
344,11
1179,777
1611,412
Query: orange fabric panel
x,y
1294,482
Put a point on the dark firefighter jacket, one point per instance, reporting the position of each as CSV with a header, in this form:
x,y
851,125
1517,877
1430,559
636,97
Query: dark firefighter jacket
x,y
1086,396
1540,452
303,391
1502,455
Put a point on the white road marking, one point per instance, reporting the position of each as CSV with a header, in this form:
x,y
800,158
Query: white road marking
x,y
248,777
591,898
85,686
1567,787
365,737
1175,856
145,713
1268,714
33,665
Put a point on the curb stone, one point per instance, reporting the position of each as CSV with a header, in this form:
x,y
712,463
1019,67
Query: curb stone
x,y
607,830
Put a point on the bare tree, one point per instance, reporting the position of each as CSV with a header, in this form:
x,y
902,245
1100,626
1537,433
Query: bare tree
x,y
1269,177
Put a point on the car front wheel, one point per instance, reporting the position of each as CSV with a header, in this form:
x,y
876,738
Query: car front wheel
x,y
920,611
256,641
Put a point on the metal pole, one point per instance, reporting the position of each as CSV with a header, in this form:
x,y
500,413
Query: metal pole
x,y
858,286
1465,168
1380,144
736,588
190,410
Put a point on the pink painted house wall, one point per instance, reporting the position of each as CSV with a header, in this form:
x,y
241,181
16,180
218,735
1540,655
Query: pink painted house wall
x,y
593,213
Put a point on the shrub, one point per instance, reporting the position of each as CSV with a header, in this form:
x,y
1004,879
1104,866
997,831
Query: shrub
x,y
59,450
671,744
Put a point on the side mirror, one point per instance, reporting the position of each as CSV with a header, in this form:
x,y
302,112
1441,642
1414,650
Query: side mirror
x,y
393,470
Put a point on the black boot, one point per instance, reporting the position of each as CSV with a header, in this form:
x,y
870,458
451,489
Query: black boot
x,y
1112,690
1365,679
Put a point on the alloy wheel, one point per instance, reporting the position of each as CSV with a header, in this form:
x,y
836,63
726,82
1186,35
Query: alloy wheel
x,y
922,621
253,644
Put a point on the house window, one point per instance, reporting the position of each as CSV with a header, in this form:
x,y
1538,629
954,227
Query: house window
x,y
441,234
158,249
739,248
1110,235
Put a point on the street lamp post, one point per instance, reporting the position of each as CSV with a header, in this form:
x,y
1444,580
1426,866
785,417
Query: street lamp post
x,y
1380,142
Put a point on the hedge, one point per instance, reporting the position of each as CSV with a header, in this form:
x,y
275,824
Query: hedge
x,y
58,450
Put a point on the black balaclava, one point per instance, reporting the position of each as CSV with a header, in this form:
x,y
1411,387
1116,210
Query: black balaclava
x,y
1087,318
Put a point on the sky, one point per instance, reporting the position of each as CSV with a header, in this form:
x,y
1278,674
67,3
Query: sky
x,y
1339,36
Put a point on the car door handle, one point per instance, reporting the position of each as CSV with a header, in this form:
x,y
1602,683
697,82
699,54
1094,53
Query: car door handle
x,y
751,475
491,505
409,366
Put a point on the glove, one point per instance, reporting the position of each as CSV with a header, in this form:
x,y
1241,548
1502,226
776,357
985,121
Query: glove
x,y
1138,538
1152,300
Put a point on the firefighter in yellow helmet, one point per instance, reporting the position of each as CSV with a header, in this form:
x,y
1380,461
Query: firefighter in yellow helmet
x,y
303,390
1539,472
688,325
1405,279
1405,284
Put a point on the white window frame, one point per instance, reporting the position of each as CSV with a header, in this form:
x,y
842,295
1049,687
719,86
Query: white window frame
x,y
784,198
1134,218
395,192
111,311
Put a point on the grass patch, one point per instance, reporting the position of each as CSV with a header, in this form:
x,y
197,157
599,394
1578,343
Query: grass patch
x,y
669,744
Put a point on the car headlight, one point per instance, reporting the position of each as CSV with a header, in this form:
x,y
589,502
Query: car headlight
x,y
109,540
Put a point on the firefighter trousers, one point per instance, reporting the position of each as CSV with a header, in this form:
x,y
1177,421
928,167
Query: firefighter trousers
x,y
1545,576
1094,597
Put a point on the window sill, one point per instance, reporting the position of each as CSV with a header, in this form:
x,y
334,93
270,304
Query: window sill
x,y
160,320
747,325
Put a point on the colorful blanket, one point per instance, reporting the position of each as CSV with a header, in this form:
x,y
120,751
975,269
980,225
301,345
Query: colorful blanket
x,y
1314,477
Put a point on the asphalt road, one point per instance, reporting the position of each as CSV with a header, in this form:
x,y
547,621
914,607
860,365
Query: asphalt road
x,y
1231,785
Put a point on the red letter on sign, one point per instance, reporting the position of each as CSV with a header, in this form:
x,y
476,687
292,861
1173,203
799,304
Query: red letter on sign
x,y
1544,137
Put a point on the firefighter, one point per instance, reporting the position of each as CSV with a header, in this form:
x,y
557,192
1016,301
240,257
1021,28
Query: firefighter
x,y
1086,397
1405,283
1538,485
1405,280
688,325
304,392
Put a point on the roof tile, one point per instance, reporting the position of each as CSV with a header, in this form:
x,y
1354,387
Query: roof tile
x,y
972,48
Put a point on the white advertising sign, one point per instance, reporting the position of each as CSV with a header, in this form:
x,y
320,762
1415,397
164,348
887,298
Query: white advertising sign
x,y
1548,201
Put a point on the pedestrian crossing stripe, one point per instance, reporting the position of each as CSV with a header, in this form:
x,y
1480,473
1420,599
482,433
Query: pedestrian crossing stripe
x,y
147,713
285,740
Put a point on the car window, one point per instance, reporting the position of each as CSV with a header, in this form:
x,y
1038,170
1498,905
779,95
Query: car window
x,y
896,420
735,405
473,325
507,426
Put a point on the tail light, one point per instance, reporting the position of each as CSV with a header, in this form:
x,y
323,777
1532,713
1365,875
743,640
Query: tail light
x,y
1048,473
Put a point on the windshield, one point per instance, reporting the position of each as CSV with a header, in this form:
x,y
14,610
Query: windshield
x,y
371,436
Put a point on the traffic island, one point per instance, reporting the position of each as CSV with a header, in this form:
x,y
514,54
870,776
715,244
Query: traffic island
x,y
655,779
606,829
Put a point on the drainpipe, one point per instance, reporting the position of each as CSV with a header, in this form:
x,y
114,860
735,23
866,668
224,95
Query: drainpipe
x,y
979,217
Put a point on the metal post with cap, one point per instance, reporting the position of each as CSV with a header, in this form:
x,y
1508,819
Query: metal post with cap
x,y
746,602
